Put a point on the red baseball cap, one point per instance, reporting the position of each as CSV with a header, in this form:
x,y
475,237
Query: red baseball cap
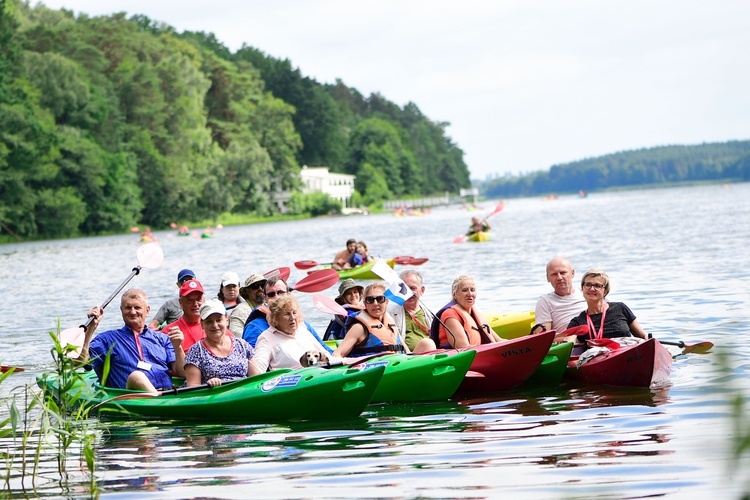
x,y
191,286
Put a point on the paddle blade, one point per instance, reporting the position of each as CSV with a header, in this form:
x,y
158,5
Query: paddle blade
x,y
150,255
317,281
403,259
698,348
5,368
417,261
497,209
305,264
576,330
327,305
281,272
460,238
72,338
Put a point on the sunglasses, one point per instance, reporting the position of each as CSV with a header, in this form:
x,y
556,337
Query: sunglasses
x,y
255,286
271,295
371,300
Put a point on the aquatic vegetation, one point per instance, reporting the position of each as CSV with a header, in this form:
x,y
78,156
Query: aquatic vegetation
x,y
46,439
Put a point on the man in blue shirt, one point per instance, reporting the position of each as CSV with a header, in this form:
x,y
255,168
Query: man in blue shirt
x,y
140,358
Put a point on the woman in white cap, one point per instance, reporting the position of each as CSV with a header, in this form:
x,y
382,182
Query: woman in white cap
x,y
350,297
229,292
219,357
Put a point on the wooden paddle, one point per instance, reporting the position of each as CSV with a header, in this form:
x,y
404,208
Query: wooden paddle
x,y
317,281
149,256
697,348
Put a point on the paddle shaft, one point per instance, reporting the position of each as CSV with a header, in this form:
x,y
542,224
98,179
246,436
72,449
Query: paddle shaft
x,y
133,274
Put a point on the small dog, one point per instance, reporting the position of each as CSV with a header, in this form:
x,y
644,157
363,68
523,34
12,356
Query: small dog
x,y
313,358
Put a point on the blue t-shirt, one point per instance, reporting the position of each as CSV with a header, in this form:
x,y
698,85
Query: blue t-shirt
x,y
157,351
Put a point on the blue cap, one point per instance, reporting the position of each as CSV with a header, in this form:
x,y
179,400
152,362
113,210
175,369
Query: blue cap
x,y
185,274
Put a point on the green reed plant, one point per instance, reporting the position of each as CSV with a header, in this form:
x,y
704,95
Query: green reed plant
x,y
43,423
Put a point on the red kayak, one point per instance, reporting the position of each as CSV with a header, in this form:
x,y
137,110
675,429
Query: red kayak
x,y
504,365
628,361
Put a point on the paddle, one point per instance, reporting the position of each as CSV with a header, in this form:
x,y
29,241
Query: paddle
x,y
317,281
327,305
305,264
6,368
149,256
282,272
697,348
497,209
403,259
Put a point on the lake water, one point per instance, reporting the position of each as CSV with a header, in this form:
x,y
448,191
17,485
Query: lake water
x,y
678,257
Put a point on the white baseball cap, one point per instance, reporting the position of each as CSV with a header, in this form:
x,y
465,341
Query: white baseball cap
x,y
230,278
213,306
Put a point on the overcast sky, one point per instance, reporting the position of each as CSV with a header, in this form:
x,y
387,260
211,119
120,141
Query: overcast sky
x,y
524,84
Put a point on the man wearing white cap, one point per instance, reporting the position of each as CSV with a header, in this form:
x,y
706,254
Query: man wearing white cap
x,y
229,292
192,298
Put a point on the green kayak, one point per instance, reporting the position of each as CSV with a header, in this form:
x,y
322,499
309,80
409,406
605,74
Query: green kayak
x,y
552,369
304,394
419,377
363,272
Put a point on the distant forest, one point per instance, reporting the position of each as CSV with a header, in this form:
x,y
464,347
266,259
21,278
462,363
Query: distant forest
x,y
725,161
110,121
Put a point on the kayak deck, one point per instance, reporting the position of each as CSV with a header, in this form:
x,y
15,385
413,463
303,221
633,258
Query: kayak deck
x,y
634,363
420,377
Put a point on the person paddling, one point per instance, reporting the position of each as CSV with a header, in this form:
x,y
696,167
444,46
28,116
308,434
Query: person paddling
x,y
139,357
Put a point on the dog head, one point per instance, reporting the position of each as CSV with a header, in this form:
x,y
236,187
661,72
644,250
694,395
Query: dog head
x,y
313,358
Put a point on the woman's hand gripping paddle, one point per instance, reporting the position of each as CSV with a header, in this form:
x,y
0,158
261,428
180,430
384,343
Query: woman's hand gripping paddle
x,y
149,256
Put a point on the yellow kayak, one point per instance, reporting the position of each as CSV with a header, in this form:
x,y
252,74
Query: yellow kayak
x,y
480,236
513,324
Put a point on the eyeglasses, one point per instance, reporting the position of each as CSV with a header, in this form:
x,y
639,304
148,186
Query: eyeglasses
x,y
371,300
271,295
589,286
255,286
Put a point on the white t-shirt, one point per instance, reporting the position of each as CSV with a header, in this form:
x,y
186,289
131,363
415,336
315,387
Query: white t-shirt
x,y
559,310
276,349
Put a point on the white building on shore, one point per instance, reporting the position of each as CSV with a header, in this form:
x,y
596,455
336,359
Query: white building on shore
x,y
319,180
338,186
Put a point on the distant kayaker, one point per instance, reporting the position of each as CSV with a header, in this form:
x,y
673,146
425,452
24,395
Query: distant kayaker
x,y
604,319
413,318
219,357
171,311
372,330
554,310
287,338
341,258
140,358
462,325
191,300
229,291
252,293
478,226
360,256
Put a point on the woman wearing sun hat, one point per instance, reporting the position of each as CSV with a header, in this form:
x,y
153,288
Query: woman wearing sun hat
x,y
350,297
